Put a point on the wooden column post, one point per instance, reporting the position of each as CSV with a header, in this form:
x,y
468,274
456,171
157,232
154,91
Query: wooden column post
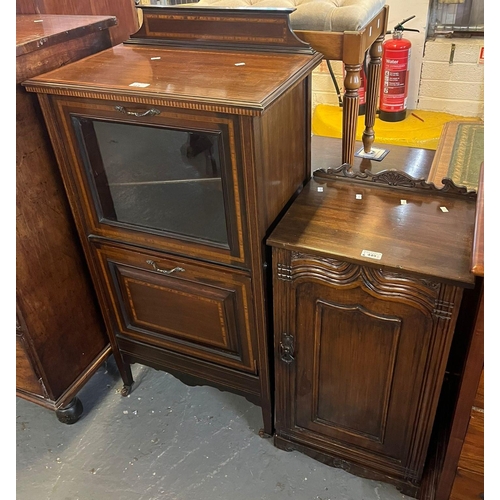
x,y
372,90
350,111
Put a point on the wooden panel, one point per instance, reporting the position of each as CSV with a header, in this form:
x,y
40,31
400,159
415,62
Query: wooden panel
x,y
196,310
478,250
206,26
467,486
253,86
472,455
124,10
365,393
415,237
282,164
345,396
479,400
26,377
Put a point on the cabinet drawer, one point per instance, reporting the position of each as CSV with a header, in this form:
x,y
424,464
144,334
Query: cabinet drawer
x,y
179,305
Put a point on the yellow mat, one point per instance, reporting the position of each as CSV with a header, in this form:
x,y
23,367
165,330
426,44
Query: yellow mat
x,y
420,129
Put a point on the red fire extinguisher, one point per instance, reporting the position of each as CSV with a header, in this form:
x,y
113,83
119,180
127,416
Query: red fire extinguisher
x,y
395,74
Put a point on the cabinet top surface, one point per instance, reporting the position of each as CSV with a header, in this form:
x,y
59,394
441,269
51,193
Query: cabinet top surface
x,y
37,31
373,226
241,78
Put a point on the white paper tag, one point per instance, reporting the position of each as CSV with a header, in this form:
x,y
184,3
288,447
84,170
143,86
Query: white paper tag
x,y
403,202
138,84
371,255
320,189
444,209
239,64
155,58
359,196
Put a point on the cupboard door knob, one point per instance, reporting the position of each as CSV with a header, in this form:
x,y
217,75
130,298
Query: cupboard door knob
x,y
152,111
164,271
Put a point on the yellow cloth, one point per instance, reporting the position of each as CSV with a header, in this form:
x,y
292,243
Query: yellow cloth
x,y
420,129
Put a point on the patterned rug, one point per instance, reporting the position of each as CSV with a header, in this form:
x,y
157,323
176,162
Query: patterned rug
x,y
459,154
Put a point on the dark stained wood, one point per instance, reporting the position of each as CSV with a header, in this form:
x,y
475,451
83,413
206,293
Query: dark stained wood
x,y
455,468
362,343
123,10
261,113
39,40
416,237
205,26
61,337
326,153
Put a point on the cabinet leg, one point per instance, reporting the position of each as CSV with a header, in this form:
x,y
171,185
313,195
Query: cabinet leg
x,y
126,374
70,413
268,430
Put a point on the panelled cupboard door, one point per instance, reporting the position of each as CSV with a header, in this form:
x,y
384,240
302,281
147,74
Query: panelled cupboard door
x,y
157,177
360,362
178,305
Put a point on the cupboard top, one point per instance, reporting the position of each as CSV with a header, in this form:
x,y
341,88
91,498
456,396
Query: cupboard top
x,y
383,227
236,79
34,31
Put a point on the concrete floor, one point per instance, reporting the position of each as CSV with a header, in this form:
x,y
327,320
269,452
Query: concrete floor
x,y
167,441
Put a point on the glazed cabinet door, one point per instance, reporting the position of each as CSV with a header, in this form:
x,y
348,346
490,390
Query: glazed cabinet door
x,y
360,357
157,177
179,306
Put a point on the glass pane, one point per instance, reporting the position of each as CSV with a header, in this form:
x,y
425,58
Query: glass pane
x,y
158,178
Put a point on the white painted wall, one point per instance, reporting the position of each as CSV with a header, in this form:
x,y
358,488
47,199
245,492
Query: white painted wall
x,y
435,85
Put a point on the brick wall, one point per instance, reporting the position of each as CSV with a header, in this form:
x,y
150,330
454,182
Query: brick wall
x,y
435,85
456,87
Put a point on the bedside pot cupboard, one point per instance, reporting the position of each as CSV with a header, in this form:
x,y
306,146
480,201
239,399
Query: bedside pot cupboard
x,y
368,280
177,156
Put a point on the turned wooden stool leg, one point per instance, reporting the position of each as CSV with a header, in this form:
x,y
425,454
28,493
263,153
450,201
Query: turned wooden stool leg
x,y
372,90
350,111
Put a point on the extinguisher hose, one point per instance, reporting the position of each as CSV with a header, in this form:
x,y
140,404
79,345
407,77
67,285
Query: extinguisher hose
x,y
339,96
332,74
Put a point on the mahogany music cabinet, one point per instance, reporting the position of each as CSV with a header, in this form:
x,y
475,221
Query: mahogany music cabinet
x,y
179,149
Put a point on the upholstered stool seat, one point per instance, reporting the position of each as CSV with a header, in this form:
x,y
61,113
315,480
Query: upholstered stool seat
x,y
341,30
316,15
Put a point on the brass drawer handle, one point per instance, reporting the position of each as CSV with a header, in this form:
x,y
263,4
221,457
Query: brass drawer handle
x,y
152,111
164,271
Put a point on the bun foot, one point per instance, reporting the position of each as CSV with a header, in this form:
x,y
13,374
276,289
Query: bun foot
x,y
70,413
